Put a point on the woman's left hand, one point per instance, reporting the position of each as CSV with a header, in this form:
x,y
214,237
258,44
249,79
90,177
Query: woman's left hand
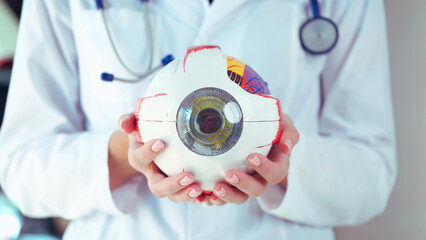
x,y
239,186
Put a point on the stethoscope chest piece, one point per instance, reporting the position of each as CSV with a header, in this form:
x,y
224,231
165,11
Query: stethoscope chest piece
x,y
318,35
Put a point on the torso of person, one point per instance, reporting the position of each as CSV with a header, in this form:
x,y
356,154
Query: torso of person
x,y
263,34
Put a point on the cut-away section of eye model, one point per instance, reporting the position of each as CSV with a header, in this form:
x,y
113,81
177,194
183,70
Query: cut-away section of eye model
x,y
209,121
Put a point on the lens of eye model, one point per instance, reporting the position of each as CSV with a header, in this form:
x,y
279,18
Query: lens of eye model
x,y
209,121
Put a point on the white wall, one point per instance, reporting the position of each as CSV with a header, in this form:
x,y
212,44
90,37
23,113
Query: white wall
x,y
405,216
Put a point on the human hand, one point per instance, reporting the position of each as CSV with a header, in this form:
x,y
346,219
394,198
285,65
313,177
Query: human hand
x,y
178,188
239,186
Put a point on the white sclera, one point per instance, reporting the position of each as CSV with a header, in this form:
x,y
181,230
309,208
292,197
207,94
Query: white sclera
x,y
232,112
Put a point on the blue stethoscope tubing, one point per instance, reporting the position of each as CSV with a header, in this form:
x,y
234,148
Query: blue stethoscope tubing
x,y
139,76
318,35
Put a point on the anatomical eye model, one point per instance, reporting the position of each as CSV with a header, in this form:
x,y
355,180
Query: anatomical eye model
x,y
212,111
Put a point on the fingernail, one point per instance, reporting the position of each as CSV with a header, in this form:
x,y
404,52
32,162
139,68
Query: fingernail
x,y
194,193
255,160
124,125
234,179
288,143
221,192
186,181
157,146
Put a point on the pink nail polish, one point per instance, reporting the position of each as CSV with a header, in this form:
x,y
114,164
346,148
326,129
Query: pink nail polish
x,y
255,160
157,146
123,125
234,179
194,193
221,192
186,181
288,143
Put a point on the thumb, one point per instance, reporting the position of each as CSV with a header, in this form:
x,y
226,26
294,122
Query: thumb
x,y
126,123
289,135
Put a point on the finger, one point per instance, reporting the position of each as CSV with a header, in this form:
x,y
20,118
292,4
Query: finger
x,y
187,194
229,194
272,171
216,201
289,135
134,139
275,154
127,123
252,185
141,155
162,186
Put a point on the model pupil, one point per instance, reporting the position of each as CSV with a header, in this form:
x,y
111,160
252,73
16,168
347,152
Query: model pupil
x,y
209,121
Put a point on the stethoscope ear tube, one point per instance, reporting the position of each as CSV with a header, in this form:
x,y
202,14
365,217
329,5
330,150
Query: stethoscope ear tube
x,y
139,75
108,77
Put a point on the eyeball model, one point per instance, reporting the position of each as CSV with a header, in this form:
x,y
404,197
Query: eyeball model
x,y
212,111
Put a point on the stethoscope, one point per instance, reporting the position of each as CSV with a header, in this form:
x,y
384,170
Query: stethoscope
x,y
318,35
139,76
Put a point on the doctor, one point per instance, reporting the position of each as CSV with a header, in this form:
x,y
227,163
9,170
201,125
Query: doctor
x,y
59,132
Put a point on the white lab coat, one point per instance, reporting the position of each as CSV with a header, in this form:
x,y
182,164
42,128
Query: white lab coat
x,y
60,116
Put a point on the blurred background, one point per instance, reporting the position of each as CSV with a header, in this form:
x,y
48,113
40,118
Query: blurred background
x,y
12,224
405,215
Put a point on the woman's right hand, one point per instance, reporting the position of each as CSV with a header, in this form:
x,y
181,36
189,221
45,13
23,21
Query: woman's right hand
x,y
178,188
